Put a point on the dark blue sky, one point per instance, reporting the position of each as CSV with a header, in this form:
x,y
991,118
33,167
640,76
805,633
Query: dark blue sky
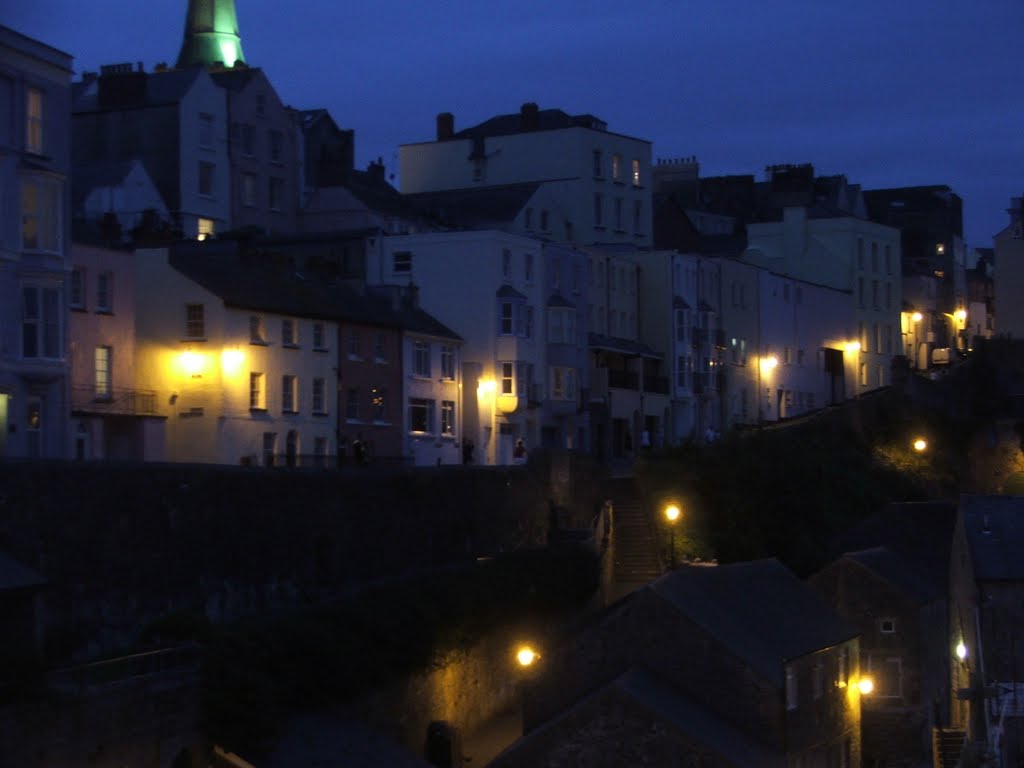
x,y
890,93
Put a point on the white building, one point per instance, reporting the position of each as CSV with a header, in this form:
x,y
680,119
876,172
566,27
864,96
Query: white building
x,y
243,362
35,241
848,254
593,186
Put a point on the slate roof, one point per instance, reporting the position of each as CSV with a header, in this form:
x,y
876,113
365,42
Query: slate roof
x,y
921,532
667,706
622,346
899,572
759,610
14,575
474,208
546,120
273,288
994,526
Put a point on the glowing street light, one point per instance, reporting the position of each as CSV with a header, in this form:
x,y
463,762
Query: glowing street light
x,y
672,514
961,650
920,445
525,655
865,685
917,317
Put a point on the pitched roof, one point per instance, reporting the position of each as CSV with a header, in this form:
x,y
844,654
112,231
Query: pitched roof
x,y
546,120
667,706
474,208
897,571
760,610
86,177
921,532
994,526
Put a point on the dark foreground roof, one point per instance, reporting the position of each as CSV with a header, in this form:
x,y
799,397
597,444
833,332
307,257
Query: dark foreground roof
x,y
759,609
899,572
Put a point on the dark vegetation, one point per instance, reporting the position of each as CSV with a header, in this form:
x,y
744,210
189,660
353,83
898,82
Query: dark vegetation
x,y
256,673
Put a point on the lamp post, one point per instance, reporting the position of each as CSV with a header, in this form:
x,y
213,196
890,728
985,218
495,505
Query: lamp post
x,y
672,515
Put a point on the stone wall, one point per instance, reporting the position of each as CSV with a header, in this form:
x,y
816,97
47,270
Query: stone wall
x,y
122,545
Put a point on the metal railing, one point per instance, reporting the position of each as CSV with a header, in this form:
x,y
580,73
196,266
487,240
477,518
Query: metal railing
x,y
117,402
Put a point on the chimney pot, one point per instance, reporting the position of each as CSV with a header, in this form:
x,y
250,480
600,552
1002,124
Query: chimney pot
x,y
445,126
529,117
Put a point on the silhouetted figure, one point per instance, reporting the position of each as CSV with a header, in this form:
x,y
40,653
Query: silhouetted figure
x,y
358,452
519,454
467,452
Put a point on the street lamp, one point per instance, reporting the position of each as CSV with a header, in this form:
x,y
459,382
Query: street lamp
x,y
526,656
672,514
920,445
865,685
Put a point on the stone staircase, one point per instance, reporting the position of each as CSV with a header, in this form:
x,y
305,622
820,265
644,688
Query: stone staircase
x,y
637,559
947,744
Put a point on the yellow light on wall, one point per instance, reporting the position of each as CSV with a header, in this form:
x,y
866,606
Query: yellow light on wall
x,y
486,387
917,317
769,363
960,315
865,685
853,346
231,361
192,363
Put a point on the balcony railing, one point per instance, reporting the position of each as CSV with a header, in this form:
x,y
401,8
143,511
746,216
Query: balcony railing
x,y
119,402
623,379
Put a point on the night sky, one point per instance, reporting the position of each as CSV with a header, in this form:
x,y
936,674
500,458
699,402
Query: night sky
x,y
888,92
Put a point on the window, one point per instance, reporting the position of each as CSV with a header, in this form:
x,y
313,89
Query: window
x,y
598,162
276,139
352,404
887,626
448,363
319,397
598,209
353,344
401,262
618,212
561,325
638,215
204,228
34,121
378,404
102,377
76,288
507,382
421,415
563,383
528,268
506,264
257,391
104,292
448,417
616,167
379,347
319,342
506,324
206,130
289,332
275,194
257,331
248,189
289,394
863,378
248,140
195,322
791,689
40,215
636,173
206,178
421,359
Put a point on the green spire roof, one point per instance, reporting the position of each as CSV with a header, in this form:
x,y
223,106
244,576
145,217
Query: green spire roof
x,y
211,34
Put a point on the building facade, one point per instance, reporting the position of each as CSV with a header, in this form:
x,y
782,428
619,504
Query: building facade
x,y
35,165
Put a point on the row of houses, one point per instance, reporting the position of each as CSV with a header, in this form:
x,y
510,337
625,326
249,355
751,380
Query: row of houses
x,y
594,300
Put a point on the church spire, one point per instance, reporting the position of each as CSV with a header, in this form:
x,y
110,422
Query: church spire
x,y
211,34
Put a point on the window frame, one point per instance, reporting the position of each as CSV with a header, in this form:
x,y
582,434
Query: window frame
x,y
34,120
421,413
289,393
420,364
102,377
257,391
319,396
105,292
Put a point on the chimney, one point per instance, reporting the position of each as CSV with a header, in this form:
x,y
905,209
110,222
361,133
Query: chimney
x,y
445,126
529,117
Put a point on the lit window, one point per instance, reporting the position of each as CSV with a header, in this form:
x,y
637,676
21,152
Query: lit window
x,y
421,359
195,321
421,415
257,391
636,173
40,215
448,363
204,228
378,404
104,292
102,381
34,121
616,167
319,399
206,178
289,394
